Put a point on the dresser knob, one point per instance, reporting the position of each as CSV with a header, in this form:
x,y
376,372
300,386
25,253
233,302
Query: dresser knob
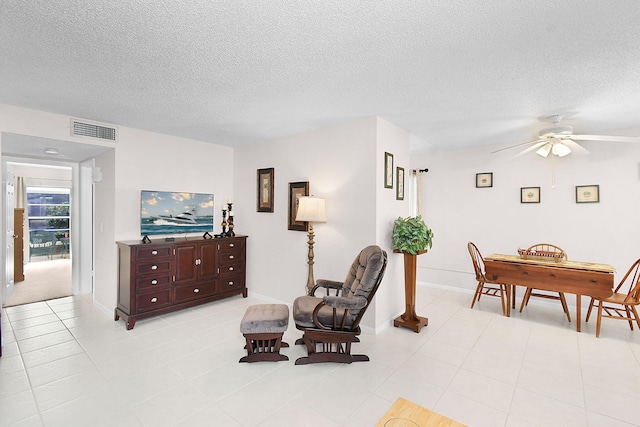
x,y
230,283
231,245
154,252
154,267
230,256
154,299
230,268
196,290
154,282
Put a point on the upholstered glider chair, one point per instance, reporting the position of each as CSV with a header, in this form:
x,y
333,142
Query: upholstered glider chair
x,y
621,305
330,323
485,285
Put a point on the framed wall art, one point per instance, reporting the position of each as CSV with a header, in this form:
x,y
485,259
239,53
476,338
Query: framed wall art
x,y
265,190
388,170
587,193
297,190
484,180
530,195
399,183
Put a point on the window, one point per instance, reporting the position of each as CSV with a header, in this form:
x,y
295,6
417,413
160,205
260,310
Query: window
x,y
48,209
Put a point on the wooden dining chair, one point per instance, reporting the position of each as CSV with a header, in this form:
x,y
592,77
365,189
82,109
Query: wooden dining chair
x,y
485,285
619,305
550,252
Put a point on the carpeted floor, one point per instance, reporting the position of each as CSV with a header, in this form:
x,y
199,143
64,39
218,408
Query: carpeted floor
x,y
44,280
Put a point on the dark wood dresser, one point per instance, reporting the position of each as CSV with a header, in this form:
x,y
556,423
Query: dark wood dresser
x,y
161,277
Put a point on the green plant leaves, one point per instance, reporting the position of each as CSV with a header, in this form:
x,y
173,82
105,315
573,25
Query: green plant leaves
x,y
411,235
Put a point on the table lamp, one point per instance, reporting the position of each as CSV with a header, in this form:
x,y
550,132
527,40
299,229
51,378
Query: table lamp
x,y
311,209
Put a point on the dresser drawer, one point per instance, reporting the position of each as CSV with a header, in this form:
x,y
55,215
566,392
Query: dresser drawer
x,y
153,300
194,291
230,268
155,252
145,284
230,257
231,244
157,267
229,283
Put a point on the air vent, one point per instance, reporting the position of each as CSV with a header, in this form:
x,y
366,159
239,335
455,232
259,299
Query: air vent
x,y
92,130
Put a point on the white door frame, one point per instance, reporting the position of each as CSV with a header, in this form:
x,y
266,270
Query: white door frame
x,y
8,203
82,259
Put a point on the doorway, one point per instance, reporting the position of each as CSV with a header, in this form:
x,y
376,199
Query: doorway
x,y
43,199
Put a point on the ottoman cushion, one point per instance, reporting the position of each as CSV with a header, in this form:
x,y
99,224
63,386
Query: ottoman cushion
x,y
265,318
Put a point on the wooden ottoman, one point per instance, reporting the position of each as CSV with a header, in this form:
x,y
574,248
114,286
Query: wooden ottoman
x,y
262,327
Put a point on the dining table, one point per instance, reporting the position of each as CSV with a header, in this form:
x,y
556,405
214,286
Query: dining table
x,y
573,277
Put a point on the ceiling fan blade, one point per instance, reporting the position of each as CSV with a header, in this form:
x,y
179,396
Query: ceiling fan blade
x,y
605,138
517,145
575,147
534,147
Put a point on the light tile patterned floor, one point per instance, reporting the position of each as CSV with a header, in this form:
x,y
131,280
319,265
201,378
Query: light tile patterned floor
x,y
67,364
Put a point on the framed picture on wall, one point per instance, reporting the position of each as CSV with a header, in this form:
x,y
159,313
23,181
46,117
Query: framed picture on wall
x,y
484,180
265,190
297,190
388,170
587,193
399,183
530,195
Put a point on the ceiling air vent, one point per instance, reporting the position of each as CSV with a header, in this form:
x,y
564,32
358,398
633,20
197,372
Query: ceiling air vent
x,y
92,130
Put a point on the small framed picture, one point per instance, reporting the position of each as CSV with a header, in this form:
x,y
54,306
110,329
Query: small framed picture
x,y
388,170
297,190
484,179
587,193
399,183
530,195
265,190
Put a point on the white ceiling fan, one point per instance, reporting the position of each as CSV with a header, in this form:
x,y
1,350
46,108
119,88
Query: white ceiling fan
x,y
560,140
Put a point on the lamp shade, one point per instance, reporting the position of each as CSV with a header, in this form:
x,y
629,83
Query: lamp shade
x,y
544,150
311,209
560,150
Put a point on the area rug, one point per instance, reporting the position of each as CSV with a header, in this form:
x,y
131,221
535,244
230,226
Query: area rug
x,y
44,280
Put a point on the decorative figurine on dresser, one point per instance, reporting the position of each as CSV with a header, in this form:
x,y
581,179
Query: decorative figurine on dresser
x,y
164,275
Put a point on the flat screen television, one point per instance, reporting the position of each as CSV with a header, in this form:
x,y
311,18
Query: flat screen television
x,y
163,212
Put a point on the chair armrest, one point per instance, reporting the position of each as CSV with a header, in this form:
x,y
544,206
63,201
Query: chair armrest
x,y
353,303
340,307
327,284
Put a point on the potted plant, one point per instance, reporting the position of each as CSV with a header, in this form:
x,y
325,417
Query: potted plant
x,y
411,237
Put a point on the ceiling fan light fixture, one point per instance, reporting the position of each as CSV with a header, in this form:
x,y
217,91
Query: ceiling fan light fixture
x,y
556,130
560,150
544,150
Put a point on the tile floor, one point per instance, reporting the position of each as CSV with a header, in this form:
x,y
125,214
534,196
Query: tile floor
x,y
68,364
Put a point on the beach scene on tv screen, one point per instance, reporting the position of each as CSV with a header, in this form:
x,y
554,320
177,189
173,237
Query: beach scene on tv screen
x,y
175,213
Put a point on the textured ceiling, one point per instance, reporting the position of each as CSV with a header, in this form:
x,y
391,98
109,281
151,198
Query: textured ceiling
x,y
454,73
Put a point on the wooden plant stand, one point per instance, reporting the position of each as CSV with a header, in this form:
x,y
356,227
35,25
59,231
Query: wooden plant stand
x,y
410,319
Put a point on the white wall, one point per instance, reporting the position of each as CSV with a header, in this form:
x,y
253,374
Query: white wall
x,y
140,160
390,297
150,161
105,278
44,176
342,164
497,222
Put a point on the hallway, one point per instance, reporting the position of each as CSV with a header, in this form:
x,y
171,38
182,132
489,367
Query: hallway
x,y
44,280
